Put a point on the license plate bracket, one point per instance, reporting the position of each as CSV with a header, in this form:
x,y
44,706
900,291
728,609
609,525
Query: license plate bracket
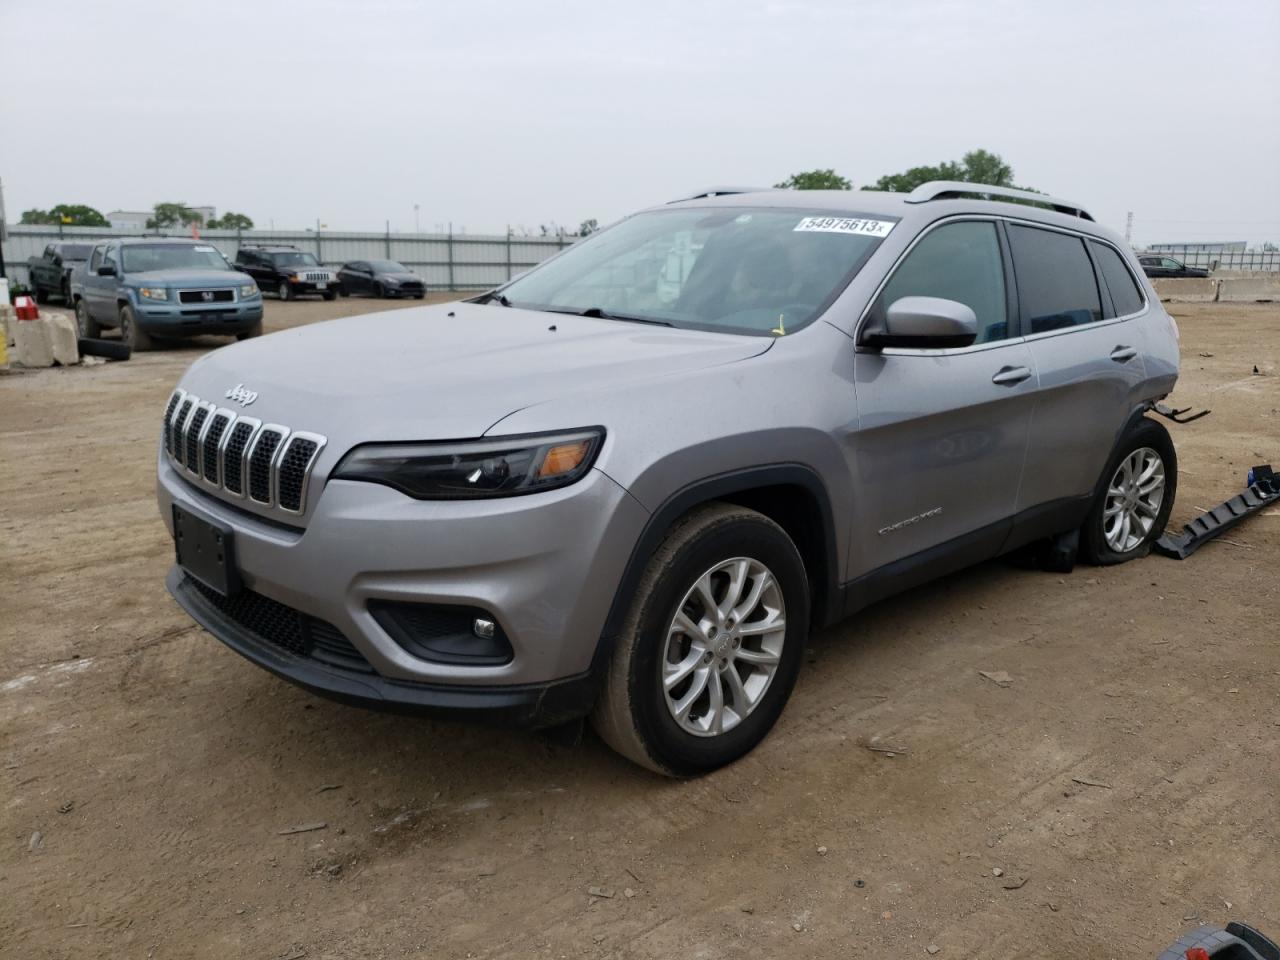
x,y
206,551
322,286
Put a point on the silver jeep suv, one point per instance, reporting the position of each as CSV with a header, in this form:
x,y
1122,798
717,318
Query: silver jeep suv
x,y
628,483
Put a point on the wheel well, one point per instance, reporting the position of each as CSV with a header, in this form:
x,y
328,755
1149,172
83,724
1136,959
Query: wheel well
x,y
790,494
795,510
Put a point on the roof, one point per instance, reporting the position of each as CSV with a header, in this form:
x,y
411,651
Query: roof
x,y
929,201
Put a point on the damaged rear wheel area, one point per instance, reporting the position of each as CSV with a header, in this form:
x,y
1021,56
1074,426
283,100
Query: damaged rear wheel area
x,y
1132,505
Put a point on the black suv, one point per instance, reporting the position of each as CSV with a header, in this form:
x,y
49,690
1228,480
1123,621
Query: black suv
x,y
1159,266
287,271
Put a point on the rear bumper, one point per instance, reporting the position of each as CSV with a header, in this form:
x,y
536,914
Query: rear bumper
x,y
529,705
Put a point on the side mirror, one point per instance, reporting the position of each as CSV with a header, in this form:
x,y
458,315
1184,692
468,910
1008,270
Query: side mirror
x,y
106,271
57,261
928,322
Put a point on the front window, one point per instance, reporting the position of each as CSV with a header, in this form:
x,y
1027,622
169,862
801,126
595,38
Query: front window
x,y
143,258
298,259
75,252
732,269
388,266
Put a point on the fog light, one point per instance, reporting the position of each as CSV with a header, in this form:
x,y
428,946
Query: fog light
x,y
483,628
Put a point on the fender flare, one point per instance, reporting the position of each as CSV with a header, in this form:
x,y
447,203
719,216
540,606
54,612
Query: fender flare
x,y
719,487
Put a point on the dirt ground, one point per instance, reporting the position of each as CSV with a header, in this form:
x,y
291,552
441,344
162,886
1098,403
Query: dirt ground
x,y
1124,784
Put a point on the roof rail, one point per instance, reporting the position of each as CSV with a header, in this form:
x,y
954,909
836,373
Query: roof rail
x,y
719,192
950,189
283,246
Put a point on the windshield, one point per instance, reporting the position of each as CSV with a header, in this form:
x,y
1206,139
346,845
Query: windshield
x,y
170,256
388,266
75,251
295,260
740,270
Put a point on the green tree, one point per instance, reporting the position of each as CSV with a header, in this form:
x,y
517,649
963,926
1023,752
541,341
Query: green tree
x,y
815,180
72,214
976,166
230,221
172,214
78,215
588,226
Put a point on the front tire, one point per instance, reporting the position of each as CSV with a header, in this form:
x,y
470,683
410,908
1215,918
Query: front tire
x,y
89,328
711,646
130,333
254,331
40,294
1132,505
284,291
331,294
378,291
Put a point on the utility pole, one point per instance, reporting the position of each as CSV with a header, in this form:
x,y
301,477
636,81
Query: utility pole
x,y
416,228
1128,228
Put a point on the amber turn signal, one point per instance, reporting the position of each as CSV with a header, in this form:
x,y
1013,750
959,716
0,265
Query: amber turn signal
x,y
564,458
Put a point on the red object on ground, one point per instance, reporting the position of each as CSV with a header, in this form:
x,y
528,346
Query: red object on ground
x,y
25,308
1197,953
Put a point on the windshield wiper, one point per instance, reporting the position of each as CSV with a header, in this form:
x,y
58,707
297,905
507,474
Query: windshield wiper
x,y
496,297
599,313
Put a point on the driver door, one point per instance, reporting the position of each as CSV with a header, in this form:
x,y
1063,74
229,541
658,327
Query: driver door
x,y
943,433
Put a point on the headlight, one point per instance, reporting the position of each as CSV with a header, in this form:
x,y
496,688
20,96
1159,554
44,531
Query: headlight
x,y
475,469
390,282
295,277
153,293
248,290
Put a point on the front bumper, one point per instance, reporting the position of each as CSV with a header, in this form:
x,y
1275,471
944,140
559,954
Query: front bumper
x,y
183,319
544,566
530,705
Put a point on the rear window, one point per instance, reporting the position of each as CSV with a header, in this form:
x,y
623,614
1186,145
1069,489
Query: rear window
x,y
76,251
1056,284
1126,296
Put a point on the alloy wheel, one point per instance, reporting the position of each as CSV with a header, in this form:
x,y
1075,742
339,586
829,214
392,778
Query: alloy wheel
x,y
723,647
1134,498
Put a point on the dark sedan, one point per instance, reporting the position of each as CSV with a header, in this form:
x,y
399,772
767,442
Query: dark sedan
x,y
1163,267
380,278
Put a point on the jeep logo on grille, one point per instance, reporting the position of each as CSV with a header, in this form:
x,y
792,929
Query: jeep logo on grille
x,y
206,295
240,395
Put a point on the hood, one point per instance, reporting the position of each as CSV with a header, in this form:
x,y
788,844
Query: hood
x,y
190,278
400,277
448,371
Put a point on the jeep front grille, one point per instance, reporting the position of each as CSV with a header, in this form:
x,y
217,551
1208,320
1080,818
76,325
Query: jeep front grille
x,y
240,456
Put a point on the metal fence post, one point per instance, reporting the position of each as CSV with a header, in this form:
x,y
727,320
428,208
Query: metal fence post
x,y
450,254
388,247
319,256
508,251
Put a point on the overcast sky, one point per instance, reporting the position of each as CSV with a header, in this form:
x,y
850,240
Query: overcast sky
x,y
487,113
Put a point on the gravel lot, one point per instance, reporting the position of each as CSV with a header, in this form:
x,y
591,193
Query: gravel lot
x,y
1123,785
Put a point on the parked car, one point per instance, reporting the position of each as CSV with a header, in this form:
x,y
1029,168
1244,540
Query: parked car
x,y
1162,267
627,484
287,271
50,273
163,287
380,278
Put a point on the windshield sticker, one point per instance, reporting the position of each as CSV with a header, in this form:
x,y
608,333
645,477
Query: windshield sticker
x,y
853,225
204,249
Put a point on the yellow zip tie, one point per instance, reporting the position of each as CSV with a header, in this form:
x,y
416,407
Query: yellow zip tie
x,y
780,330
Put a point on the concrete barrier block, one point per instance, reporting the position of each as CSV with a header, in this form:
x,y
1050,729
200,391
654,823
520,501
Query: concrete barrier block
x,y
1187,290
62,338
32,345
1249,290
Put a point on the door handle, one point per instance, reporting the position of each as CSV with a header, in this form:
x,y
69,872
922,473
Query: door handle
x,y
1123,354
1010,376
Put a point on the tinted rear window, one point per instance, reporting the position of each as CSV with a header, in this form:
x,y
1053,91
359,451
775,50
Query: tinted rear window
x,y
1056,285
1125,295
